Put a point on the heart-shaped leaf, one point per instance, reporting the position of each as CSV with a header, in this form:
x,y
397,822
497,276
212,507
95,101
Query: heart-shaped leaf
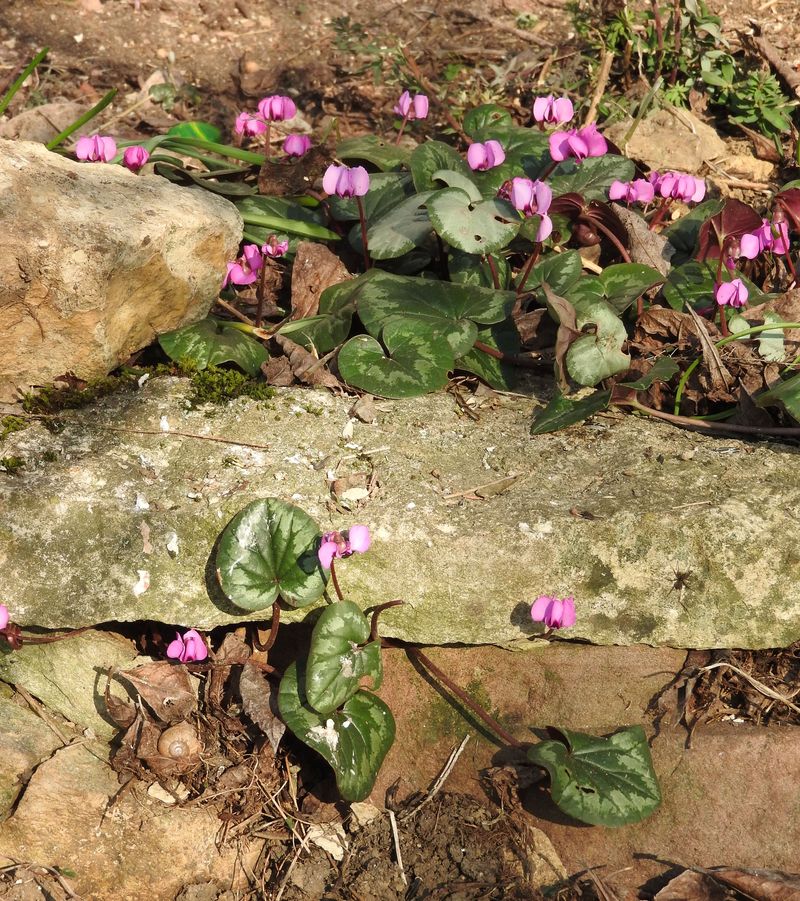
x,y
374,150
353,740
783,394
683,233
418,361
560,271
591,178
474,227
624,283
399,230
502,376
771,345
468,269
732,221
563,411
597,356
211,342
432,157
442,308
452,179
481,122
269,550
602,781
331,326
337,662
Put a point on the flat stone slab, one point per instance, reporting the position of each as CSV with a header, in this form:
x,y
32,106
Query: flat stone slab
x,y
610,512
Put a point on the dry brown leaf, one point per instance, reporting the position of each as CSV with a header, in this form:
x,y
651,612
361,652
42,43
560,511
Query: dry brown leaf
x,y
305,366
567,332
721,379
364,409
121,711
278,372
691,886
260,703
165,687
760,885
315,269
645,246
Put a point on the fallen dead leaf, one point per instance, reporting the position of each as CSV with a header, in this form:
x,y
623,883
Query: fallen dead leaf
x,y
165,687
315,269
305,366
260,703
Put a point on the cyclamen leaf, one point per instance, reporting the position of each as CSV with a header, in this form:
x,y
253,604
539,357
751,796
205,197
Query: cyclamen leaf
x,y
374,150
481,122
331,326
400,230
564,411
594,357
418,361
474,227
211,342
340,657
560,271
269,550
353,740
602,781
591,178
431,157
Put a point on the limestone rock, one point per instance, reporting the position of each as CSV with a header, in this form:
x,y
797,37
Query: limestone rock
x,y
95,262
661,501
42,123
669,139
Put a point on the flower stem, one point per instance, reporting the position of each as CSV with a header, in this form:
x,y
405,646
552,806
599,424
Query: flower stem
x,y
614,240
659,214
493,269
49,639
335,581
537,249
476,708
273,630
362,216
373,629
401,129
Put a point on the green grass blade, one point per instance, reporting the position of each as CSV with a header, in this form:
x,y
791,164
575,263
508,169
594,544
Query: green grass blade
x,y
23,76
78,123
290,226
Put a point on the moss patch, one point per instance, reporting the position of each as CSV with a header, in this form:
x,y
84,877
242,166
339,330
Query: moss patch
x,y
11,424
218,386
53,400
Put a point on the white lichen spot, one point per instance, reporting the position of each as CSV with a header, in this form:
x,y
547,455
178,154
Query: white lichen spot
x,y
172,544
143,584
163,424
142,502
347,431
326,734
142,379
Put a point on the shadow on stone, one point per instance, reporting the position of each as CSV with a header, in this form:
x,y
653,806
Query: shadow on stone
x,y
521,618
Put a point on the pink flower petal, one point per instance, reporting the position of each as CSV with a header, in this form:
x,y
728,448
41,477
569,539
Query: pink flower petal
x,y
4,616
540,607
359,538
326,553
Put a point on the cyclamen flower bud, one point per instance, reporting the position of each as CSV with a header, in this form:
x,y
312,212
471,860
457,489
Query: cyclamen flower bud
x,y
187,648
554,613
485,156
579,143
97,149
277,108
411,108
552,111
275,248
134,158
346,182
733,293
247,124
296,145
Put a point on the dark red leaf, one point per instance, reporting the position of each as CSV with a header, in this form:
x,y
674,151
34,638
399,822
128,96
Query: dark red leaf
x,y
732,221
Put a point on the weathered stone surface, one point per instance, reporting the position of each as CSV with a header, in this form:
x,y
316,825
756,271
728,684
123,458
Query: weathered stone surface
x,y
25,740
69,676
134,848
72,533
42,123
95,262
669,139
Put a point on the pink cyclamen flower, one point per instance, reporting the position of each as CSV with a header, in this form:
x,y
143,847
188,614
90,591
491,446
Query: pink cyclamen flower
x,y
409,107
97,149
277,108
275,248
769,236
678,186
637,191
577,142
296,145
532,198
135,157
733,293
187,648
485,156
248,124
554,613
345,181
4,617
356,540
553,111
244,271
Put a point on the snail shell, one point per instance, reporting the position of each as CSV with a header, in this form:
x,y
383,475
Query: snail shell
x,y
179,742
